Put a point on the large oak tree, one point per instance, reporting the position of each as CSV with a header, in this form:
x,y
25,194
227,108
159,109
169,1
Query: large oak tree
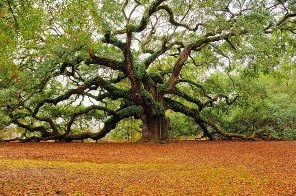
x,y
65,63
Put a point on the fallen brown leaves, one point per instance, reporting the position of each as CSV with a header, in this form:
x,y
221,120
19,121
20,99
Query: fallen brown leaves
x,y
184,168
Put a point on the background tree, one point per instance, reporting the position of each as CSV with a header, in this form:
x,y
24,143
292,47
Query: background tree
x,y
265,106
68,60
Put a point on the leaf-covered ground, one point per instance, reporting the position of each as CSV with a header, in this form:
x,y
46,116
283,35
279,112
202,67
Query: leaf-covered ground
x,y
183,168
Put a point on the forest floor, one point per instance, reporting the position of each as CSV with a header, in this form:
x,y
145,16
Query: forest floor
x,y
183,168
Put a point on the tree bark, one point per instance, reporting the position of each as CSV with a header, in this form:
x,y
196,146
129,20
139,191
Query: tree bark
x,y
155,130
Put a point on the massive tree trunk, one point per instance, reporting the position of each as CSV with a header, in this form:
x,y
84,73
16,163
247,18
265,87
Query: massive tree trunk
x,y
155,129
155,125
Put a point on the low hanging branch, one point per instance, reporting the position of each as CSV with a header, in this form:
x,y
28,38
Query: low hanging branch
x,y
195,114
109,124
227,134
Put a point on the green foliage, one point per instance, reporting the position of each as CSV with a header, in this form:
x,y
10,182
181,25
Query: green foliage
x,y
181,125
265,106
128,129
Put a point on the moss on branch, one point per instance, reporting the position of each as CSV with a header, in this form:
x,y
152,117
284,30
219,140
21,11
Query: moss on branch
x,y
129,111
140,71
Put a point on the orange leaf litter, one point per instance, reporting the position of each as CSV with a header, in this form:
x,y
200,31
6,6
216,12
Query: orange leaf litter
x,y
183,168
